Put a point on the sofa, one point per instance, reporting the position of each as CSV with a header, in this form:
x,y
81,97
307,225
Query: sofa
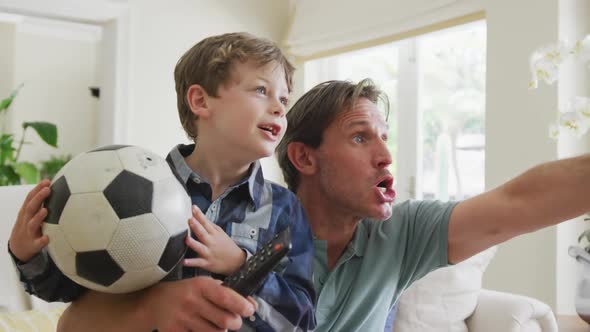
x,y
449,299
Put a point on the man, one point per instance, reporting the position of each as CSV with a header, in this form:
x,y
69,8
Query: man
x,y
334,157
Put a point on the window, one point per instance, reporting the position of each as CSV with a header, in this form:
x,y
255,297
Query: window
x,y
436,88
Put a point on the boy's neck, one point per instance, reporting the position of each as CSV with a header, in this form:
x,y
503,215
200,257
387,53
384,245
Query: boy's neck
x,y
220,172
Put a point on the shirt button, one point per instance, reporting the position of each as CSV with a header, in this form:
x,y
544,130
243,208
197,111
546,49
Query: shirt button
x,y
252,233
252,318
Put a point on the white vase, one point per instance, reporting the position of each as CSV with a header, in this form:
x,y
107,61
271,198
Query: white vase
x,y
582,300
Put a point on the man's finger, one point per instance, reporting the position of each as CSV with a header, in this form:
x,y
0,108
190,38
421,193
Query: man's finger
x,y
220,317
229,299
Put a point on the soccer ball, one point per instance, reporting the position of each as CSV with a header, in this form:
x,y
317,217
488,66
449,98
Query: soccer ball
x,y
117,219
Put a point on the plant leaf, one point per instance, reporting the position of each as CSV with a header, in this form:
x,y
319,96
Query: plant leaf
x,y
6,102
8,176
27,171
47,131
6,149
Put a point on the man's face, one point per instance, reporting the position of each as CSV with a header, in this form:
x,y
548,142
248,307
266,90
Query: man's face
x,y
352,163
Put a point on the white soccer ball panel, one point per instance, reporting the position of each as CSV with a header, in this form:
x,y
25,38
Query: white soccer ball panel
x,y
138,242
145,163
60,250
92,171
171,205
136,280
88,222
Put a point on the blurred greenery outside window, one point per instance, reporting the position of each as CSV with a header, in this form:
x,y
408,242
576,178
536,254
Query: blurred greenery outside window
x,y
448,70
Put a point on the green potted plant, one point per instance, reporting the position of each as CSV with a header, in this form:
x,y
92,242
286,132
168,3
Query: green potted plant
x,y
14,171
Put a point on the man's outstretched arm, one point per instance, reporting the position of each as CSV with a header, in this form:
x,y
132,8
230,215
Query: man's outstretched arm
x,y
542,196
196,304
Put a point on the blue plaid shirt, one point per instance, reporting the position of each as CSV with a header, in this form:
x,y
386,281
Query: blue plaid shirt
x,y
251,212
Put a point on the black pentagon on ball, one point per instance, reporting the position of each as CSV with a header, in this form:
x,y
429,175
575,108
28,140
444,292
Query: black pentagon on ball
x,y
174,251
98,266
55,203
129,194
108,148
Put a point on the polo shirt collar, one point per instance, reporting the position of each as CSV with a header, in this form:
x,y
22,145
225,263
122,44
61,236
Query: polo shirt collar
x,y
254,180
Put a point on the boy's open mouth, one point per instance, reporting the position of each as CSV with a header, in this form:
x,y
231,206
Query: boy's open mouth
x,y
273,129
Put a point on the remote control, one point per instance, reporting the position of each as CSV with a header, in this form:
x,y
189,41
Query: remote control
x,y
251,275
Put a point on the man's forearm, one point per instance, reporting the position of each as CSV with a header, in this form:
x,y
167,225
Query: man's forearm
x,y
552,192
105,312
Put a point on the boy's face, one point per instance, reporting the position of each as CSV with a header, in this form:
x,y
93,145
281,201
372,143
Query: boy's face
x,y
248,116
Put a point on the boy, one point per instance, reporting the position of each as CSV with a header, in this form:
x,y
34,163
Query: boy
x,y
232,91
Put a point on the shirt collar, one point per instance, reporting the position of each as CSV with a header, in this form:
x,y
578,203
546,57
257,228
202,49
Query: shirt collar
x,y
359,241
254,180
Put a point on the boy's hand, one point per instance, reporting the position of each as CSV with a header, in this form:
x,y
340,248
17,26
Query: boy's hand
x,y
217,251
26,239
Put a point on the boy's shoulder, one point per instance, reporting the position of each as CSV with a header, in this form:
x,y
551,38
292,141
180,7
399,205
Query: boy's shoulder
x,y
280,190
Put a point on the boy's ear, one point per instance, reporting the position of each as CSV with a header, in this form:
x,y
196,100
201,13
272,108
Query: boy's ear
x,y
198,100
302,158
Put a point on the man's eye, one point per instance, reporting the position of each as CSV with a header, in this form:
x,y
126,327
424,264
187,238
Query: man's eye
x,y
358,139
261,89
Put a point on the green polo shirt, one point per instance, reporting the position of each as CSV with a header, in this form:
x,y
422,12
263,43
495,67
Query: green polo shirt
x,y
382,260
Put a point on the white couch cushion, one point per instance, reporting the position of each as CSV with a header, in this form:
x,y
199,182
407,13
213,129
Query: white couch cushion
x,y
444,298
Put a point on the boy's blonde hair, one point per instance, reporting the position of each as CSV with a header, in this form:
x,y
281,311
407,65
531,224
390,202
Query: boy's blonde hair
x,y
209,64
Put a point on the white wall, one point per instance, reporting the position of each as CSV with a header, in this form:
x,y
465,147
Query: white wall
x,y
7,38
517,123
160,32
57,63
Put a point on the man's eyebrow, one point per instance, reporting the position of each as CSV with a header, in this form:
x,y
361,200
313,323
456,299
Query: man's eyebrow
x,y
362,123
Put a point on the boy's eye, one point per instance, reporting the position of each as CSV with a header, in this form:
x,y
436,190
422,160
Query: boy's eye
x,y
358,139
284,101
261,89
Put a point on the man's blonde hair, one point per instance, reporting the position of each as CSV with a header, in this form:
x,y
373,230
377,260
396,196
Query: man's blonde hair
x,y
209,64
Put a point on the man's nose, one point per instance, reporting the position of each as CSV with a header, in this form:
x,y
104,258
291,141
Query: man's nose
x,y
382,155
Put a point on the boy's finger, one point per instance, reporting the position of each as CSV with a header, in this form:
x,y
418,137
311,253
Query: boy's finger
x,y
208,225
37,189
35,203
198,247
41,242
196,262
34,225
199,230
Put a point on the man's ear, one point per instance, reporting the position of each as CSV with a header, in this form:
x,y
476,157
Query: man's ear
x,y
302,158
198,101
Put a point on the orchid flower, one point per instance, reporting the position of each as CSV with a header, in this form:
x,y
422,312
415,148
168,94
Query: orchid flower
x,y
545,61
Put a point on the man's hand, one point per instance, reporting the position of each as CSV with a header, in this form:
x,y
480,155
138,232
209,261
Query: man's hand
x,y
196,304
26,239
217,251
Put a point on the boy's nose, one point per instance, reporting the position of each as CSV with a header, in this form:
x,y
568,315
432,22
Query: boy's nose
x,y
278,109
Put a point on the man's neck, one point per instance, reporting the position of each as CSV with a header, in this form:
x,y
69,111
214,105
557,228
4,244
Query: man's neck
x,y
328,222
220,172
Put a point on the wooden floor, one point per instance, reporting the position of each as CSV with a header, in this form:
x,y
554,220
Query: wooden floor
x,y
572,324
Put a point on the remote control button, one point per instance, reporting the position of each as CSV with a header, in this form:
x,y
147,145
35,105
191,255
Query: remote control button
x,y
278,247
